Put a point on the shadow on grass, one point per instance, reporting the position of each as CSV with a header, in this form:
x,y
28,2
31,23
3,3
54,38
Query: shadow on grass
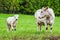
x,y
51,38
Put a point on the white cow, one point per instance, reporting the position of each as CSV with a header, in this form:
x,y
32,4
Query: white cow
x,y
11,22
45,16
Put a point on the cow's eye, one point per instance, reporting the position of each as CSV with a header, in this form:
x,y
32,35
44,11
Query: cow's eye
x,y
41,11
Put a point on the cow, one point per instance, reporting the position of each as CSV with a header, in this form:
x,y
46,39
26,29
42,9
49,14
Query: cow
x,y
45,16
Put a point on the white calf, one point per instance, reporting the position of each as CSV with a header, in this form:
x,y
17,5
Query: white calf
x,y
11,22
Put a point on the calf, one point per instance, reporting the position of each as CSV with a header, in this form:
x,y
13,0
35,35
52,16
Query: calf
x,y
11,22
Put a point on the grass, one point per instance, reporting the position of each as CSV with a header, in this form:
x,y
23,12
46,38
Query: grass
x,y
26,28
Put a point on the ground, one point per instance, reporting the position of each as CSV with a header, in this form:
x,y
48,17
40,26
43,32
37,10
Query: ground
x,y
26,28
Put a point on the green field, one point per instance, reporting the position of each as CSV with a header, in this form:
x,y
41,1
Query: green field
x,y
26,28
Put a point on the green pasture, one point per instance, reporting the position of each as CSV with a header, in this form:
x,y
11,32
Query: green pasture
x,y
26,28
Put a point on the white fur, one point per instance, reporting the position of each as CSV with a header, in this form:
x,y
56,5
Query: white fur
x,y
39,14
12,21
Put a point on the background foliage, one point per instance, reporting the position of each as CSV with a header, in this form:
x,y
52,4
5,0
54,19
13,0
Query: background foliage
x,y
28,6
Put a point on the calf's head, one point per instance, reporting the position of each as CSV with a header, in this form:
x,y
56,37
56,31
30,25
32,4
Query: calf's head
x,y
16,17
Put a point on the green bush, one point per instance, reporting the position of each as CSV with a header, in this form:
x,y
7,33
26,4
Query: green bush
x,y
28,6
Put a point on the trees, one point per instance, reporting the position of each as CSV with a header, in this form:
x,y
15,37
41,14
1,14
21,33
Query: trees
x,y
8,6
27,6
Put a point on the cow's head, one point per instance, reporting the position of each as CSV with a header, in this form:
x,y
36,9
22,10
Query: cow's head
x,y
44,9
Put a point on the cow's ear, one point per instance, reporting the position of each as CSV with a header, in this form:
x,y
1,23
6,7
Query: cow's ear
x,y
46,8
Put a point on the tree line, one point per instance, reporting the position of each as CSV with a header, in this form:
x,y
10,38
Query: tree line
x,y
28,6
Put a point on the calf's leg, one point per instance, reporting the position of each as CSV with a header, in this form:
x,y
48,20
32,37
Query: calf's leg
x,y
14,28
8,27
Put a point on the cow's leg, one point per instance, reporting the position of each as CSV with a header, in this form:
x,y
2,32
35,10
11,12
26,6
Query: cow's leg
x,y
46,25
40,26
51,25
37,26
